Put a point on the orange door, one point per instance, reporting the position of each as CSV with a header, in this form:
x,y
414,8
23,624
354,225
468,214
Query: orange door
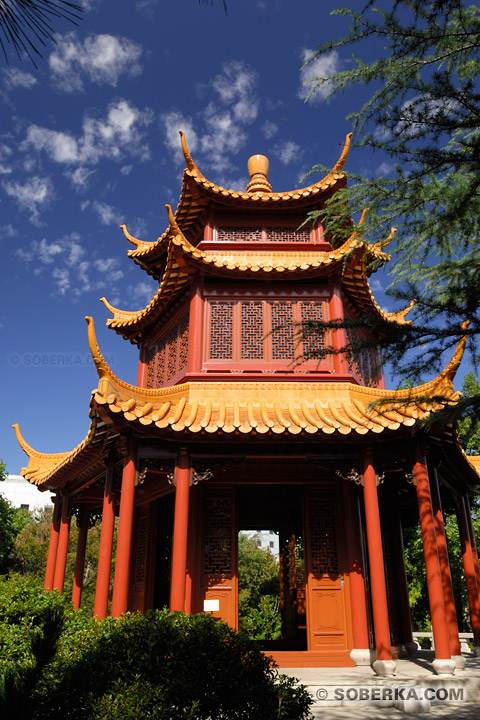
x,y
326,611
218,585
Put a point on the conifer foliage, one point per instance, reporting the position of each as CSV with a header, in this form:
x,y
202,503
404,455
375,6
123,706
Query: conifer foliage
x,y
422,117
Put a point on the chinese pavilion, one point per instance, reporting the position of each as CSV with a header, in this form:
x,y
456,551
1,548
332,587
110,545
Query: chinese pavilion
x,y
233,424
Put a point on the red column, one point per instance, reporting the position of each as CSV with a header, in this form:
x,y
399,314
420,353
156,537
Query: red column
x,y
355,574
141,366
473,542
180,532
53,545
339,336
105,550
469,568
375,555
80,559
124,539
451,615
195,329
62,550
432,565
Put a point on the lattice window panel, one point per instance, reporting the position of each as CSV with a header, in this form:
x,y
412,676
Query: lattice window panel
x,y
252,330
150,362
171,348
218,561
221,331
283,331
141,551
314,342
323,540
161,355
243,234
183,343
287,234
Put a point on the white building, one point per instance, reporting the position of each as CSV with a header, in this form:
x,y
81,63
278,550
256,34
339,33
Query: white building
x,y
266,539
24,495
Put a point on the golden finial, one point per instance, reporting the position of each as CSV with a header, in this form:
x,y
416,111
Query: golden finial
x,y
258,170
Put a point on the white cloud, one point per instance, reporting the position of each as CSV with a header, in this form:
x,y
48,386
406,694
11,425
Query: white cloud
x,y
269,129
385,168
220,129
376,285
102,58
142,292
323,67
106,213
8,231
5,170
114,137
287,151
71,270
35,194
79,177
13,77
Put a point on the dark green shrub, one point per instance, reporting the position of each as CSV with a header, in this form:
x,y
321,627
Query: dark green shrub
x,y
31,622
158,666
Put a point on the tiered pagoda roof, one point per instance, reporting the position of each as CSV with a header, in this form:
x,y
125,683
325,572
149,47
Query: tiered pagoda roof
x,y
173,258
328,410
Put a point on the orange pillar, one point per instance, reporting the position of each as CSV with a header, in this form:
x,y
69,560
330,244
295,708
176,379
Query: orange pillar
x,y
195,330
469,568
53,545
102,587
124,539
62,550
360,653
451,615
473,542
180,532
80,559
384,665
443,662
339,335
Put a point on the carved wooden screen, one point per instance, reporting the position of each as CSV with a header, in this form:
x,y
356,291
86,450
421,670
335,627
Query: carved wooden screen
x,y
168,356
219,561
261,234
141,560
250,330
326,612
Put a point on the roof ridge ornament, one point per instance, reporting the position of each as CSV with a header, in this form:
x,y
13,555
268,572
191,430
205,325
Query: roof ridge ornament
x,y
338,167
258,166
186,153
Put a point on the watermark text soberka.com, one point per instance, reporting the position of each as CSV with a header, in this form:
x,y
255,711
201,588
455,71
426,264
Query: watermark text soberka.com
x,y
392,693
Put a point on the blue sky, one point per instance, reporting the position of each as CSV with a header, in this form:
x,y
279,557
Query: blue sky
x,y
90,141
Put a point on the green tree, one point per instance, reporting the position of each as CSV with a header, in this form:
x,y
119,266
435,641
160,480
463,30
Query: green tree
x,y
422,114
469,424
12,521
258,590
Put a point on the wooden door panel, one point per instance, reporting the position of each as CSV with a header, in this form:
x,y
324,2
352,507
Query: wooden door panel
x,y
219,550
326,612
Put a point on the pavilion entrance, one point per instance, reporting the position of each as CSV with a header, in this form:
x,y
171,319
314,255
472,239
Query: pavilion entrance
x,y
313,575
281,510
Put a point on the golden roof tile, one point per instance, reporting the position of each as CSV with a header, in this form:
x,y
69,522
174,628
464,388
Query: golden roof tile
x,y
227,408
